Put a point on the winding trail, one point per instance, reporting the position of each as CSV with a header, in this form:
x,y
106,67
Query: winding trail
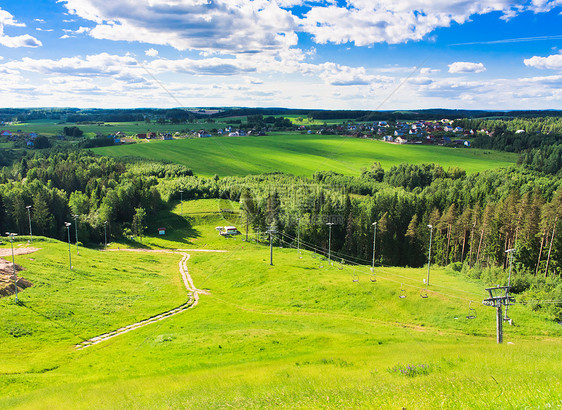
x,y
193,300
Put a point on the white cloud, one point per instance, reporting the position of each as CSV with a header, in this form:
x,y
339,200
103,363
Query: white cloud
x,y
233,26
151,52
6,19
552,62
463,67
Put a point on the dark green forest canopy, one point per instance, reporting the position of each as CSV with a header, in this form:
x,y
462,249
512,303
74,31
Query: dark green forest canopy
x,y
476,217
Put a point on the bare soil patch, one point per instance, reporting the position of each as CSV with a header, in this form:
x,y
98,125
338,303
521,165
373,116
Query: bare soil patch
x,y
7,271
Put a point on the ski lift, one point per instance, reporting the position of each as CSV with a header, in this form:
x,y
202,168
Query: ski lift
x,y
471,311
300,255
373,277
402,292
423,293
355,278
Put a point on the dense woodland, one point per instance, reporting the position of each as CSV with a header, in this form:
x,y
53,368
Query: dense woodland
x,y
475,218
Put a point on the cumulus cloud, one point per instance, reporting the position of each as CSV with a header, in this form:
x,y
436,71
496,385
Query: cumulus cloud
x,y
6,19
463,67
552,62
237,26
151,52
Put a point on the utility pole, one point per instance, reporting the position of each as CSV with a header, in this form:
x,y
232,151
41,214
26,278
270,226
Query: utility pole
x,y
510,253
374,245
76,231
105,233
11,235
29,216
181,202
270,231
498,300
299,236
67,224
429,254
329,241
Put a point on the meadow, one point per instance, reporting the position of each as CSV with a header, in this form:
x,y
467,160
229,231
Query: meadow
x,y
291,335
302,154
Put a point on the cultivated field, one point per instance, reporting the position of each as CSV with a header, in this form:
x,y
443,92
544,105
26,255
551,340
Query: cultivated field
x,y
302,154
292,335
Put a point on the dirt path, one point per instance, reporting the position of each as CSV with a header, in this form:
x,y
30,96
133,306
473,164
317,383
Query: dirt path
x,y
193,300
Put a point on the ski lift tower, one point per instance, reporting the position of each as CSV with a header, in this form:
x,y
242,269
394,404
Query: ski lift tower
x,y
499,297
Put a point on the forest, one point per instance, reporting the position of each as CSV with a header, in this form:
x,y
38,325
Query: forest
x,y
475,218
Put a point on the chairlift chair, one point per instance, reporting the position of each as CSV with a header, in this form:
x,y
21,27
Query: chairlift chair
x,y
355,278
373,277
423,293
402,292
471,311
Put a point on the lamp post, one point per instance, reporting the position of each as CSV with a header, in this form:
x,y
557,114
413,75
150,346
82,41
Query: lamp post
x,y
76,231
374,244
181,202
105,233
329,241
67,224
429,254
299,236
510,253
270,231
11,235
28,207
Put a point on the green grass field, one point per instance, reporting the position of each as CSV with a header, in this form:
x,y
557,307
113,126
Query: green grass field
x,y
130,128
302,154
292,335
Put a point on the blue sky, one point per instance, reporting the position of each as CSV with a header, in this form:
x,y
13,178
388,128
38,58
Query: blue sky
x,y
356,54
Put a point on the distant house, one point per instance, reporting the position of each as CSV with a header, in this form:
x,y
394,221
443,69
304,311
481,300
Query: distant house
x,y
388,138
141,135
401,140
203,134
458,129
32,135
448,128
5,133
519,131
234,134
150,135
30,144
167,136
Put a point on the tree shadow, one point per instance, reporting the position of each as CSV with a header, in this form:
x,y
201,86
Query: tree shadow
x,y
178,229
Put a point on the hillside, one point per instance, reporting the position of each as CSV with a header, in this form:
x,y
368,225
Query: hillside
x,y
302,154
292,335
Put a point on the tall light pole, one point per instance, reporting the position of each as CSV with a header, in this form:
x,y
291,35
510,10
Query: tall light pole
x,y
270,231
11,235
105,233
374,244
67,224
76,231
510,253
429,254
181,202
329,241
299,236
29,217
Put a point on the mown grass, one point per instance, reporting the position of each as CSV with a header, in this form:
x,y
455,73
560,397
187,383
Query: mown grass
x,y
302,154
292,335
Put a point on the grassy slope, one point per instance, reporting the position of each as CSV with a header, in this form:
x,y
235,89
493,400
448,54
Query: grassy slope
x,y
302,154
291,335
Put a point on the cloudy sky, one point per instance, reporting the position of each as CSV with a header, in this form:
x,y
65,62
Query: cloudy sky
x,y
333,54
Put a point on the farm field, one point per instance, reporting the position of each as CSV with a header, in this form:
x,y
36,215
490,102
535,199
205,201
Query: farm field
x,y
129,128
302,154
292,335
